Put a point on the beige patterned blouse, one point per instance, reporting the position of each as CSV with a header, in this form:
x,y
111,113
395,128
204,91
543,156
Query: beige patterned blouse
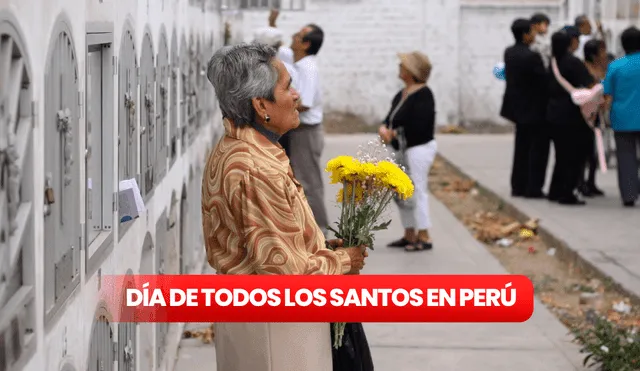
x,y
255,216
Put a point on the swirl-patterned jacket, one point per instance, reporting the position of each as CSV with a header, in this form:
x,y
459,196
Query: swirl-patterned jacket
x,y
255,216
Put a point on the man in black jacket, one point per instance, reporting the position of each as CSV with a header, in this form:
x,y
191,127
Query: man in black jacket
x,y
524,104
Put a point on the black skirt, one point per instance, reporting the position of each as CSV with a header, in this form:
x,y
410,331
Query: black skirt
x,y
354,354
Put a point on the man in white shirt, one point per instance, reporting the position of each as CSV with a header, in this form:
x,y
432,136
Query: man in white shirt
x,y
306,142
304,145
540,23
583,24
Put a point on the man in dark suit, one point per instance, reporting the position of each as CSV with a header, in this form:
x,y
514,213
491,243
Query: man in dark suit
x,y
524,104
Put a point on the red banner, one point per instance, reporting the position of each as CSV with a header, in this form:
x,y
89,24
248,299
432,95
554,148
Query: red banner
x,y
364,298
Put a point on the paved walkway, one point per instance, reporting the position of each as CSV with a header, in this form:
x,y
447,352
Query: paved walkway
x,y
541,344
603,232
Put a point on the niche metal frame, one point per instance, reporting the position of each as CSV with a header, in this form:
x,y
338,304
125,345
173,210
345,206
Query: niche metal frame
x,y
174,134
103,344
162,111
147,82
193,91
17,259
128,72
162,328
184,94
146,337
184,231
62,226
99,38
282,5
127,356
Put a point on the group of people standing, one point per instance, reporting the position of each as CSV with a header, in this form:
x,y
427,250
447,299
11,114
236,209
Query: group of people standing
x,y
304,144
408,127
262,190
538,101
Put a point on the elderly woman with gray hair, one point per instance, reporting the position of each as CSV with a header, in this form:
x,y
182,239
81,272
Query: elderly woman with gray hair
x,y
255,216
272,37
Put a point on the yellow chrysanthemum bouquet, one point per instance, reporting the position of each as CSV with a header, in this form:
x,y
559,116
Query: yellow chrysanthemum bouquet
x,y
368,186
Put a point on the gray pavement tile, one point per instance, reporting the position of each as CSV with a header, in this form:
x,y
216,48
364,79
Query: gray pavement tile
x,y
540,344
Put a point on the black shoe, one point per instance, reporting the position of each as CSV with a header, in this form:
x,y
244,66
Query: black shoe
x,y
595,191
399,243
629,203
419,246
553,198
585,190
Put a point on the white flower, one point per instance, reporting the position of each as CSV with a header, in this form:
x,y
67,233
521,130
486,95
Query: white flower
x,y
604,349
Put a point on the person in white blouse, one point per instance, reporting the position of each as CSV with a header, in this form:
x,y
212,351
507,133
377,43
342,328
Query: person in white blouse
x,y
583,24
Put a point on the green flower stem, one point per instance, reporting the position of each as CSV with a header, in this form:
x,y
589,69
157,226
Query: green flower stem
x,y
338,331
352,220
343,211
385,201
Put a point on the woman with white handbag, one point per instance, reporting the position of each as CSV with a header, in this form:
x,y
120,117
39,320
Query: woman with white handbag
x,y
574,100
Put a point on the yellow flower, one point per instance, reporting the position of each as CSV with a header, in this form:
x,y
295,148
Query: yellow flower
x,y
383,174
391,176
343,168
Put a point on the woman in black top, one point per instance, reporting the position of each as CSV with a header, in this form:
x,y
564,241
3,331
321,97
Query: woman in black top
x,y
409,128
570,132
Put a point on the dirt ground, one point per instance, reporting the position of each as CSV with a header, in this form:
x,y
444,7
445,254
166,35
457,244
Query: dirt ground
x,y
571,295
346,123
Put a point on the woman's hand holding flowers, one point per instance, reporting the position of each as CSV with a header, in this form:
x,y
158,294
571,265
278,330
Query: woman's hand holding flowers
x,y
385,134
356,254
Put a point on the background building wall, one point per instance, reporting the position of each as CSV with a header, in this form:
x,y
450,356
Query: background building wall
x,y
484,34
464,38
358,61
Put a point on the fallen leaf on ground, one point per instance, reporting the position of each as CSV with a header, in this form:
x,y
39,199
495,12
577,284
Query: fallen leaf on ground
x,y
452,129
508,229
532,224
205,334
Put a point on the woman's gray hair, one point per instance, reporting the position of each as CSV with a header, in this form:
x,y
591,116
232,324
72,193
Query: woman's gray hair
x,y
240,73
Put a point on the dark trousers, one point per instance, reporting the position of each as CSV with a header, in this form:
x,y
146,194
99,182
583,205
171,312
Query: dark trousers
x,y
530,159
571,143
591,162
627,144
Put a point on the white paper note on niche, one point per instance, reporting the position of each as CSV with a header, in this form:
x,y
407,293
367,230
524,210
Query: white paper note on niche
x,y
130,203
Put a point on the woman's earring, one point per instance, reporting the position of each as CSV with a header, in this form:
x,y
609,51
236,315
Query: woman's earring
x,y
267,118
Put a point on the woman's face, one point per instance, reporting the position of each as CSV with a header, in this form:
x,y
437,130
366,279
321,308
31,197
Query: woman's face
x,y
575,43
404,74
283,113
